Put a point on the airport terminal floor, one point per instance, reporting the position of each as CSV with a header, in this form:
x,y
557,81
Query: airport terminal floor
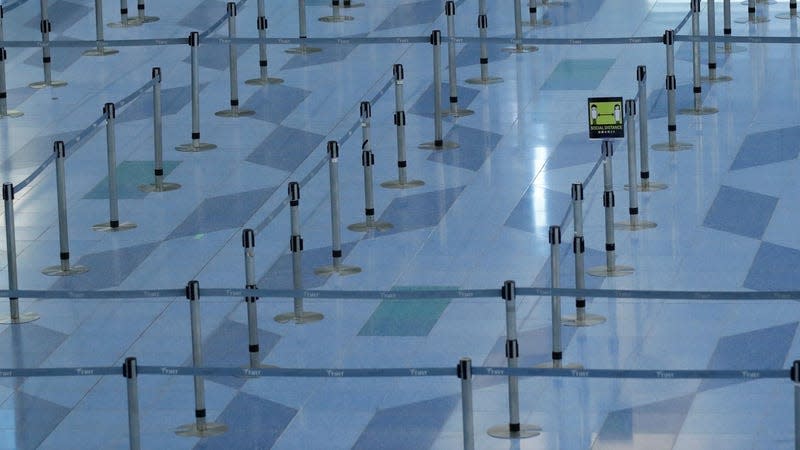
x,y
169,240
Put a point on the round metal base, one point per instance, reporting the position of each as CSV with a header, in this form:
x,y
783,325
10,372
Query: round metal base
x,y
552,365
760,2
353,5
363,226
200,147
587,321
487,80
131,22
396,184
341,270
42,84
704,111
504,431
640,225
147,19
445,145
667,147
787,16
757,19
264,81
648,187
234,114
718,79
23,318
303,317
616,271
165,187
539,23
303,50
733,49
100,52
106,227
521,49
208,430
58,271
458,112
12,113
336,19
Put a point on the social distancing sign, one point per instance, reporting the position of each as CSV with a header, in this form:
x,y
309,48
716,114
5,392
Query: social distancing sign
x,y
605,118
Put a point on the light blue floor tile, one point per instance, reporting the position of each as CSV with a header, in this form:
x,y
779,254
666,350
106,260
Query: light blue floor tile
x,y
732,204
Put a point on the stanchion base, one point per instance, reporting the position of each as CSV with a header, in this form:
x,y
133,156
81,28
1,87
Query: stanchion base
x,y
396,184
303,317
201,147
336,19
458,112
363,226
481,80
340,270
23,318
445,145
554,3
539,23
165,187
717,79
106,227
604,271
147,19
733,49
353,5
504,431
640,225
210,429
552,365
648,187
131,22
264,81
12,113
704,111
760,2
676,147
787,16
587,321
234,114
303,50
100,52
757,19
521,49
42,84
58,271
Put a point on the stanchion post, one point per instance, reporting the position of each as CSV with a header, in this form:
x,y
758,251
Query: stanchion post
x,y
333,170
644,144
794,375
402,181
350,4
533,12
698,109
299,315
464,373
483,24
554,236
712,46
234,69
200,427
336,14
455,110
195,145
113,225
124,19
45,27
634,223
303,49
727,31
101,50
519,47
672,143
752,17
264,77
129,371
792,14
4,111
367,161
158,141
249,245
438,140
141,16
513,429
14,317
64,268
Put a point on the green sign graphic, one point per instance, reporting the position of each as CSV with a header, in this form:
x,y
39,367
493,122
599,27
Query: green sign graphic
x,y
605,118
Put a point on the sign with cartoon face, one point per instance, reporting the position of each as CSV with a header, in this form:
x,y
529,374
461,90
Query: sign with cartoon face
x,y
605,118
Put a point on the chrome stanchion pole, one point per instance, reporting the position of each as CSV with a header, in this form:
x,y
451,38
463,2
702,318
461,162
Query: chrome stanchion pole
x,y
464,372
63,231
727,31
518,46
45,27
200,427
794,375
101,50
581,318
483,24
14,317
792,14
611,268
264,77
402,181
4,111
158,141
303,49
124,20
713,77
367,161
752,17
455,110
634,223
299,315
438,141
672,128
131,375
195,145
644,144
336,267
113,225
513,429
534,16
234,69
336,15
350,4
141,16
249,245
698,109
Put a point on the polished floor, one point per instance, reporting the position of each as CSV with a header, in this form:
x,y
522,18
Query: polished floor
x,y
727,221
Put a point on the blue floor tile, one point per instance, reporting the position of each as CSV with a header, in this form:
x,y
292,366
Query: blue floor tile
x,y
406,317
204,15
578,74
267,109
130,175
219,213
476,147
172,101
410,14
424,105
774,268
107,269
740,212
574,149
539,208
280,275
285,148
419,210
25,421
63,15
768,147
410,426
661,421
